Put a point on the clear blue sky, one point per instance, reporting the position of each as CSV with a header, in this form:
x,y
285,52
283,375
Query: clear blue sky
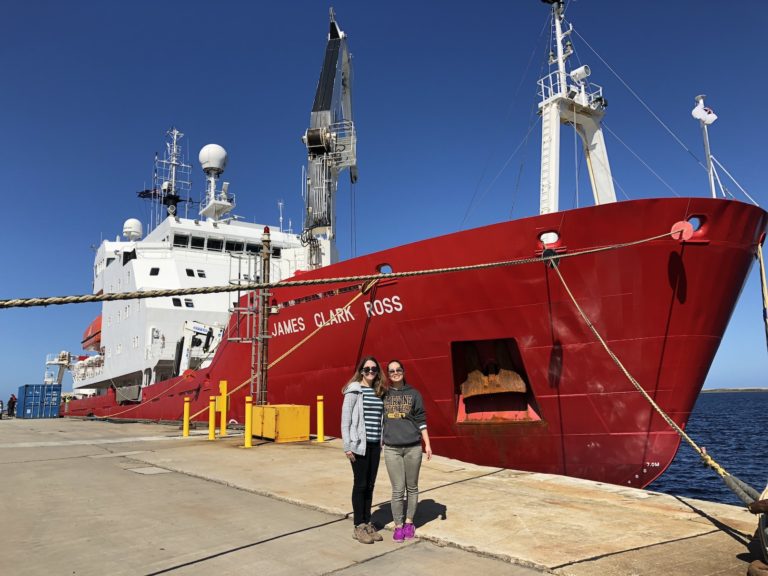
x,y
444,91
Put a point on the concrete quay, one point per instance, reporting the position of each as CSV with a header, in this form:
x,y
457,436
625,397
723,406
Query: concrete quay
x,y
83,497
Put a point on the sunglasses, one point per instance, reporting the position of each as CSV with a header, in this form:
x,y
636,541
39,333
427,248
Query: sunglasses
x,y
369,370
396,371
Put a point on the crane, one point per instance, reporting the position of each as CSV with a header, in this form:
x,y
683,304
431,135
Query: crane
x,y
331,146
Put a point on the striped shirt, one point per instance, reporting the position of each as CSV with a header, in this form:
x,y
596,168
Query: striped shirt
x,y
373,408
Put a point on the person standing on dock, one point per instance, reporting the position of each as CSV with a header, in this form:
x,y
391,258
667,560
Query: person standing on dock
x,y
405,426
361,416
12,406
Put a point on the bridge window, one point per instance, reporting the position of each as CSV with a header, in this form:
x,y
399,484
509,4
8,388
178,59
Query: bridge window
x,y
181,240
232,246
198,243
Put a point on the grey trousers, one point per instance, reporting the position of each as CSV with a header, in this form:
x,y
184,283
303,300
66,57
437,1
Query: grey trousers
x,y
403,465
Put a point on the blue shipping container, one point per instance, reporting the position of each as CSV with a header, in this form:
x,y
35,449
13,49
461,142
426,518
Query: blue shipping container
x,y
38,401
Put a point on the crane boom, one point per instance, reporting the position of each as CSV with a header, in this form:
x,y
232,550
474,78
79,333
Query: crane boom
x,y
331,143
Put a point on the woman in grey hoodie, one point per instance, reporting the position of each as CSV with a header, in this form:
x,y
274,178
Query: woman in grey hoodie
x,y
405,428
361,416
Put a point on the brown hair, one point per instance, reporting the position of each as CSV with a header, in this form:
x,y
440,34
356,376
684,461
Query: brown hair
x,y
378,382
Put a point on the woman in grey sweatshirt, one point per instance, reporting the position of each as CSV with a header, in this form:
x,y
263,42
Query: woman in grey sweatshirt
x,y
361,416
405,426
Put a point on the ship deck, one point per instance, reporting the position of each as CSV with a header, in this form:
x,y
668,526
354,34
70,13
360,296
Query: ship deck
x,y
91,497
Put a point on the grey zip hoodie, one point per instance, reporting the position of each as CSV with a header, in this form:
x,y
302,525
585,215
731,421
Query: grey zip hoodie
x,y
404,416
353,419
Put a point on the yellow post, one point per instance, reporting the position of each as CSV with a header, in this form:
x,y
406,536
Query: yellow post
x,y
212,418
223,393
248,422
320,427
185,425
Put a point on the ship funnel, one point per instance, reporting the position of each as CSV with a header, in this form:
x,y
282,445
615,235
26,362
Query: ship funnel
x,y
133,230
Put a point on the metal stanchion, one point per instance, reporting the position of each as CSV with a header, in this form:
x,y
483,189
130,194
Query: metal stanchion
x,y
212,418
223,407
320,423
248,422
185,425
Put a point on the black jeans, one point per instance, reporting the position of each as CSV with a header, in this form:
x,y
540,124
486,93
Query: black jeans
x,y
364,469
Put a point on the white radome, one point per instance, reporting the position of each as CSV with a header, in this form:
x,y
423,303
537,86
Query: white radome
x,y
133,230
213,158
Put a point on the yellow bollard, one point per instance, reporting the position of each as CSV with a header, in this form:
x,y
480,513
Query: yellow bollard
x,y
185,425
320,427
248,422
212,418
223,393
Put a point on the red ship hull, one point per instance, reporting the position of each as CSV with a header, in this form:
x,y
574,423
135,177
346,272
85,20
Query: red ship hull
x,y
661,305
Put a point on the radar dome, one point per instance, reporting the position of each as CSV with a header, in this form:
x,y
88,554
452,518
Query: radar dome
x,y
132,229
213,158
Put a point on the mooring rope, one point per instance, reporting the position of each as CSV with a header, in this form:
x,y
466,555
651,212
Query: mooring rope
x,y
364,288
745,493
142,294
764,287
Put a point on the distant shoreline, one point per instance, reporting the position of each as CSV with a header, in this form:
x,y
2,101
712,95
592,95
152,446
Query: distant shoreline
x,y
721,390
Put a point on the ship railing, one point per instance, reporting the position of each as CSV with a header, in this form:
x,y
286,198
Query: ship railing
x,y
344,152
243,270
81,374
549,87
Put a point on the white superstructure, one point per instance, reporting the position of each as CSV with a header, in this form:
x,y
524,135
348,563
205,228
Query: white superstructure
x,y
143,341
138,342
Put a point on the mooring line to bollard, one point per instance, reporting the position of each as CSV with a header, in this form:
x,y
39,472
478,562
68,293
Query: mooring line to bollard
x,y
160,293
745,493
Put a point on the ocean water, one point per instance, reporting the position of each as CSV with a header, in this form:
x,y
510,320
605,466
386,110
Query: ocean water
x,y
733,426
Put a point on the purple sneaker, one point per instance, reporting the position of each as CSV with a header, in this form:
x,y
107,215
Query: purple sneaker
x,y
399,535
409,530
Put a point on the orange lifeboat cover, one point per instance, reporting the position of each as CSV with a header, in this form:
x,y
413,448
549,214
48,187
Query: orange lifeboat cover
x,y
92,335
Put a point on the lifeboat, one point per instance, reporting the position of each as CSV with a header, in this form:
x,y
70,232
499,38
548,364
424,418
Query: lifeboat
x,y
92,335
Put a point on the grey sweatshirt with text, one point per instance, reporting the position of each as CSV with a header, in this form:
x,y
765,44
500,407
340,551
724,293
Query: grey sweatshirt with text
x,y
404,416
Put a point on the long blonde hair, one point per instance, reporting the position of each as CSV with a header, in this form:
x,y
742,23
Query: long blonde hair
x,y
378,383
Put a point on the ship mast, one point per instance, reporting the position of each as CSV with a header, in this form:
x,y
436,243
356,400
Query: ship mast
x,y
170,181
706,116
331,144
568,99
